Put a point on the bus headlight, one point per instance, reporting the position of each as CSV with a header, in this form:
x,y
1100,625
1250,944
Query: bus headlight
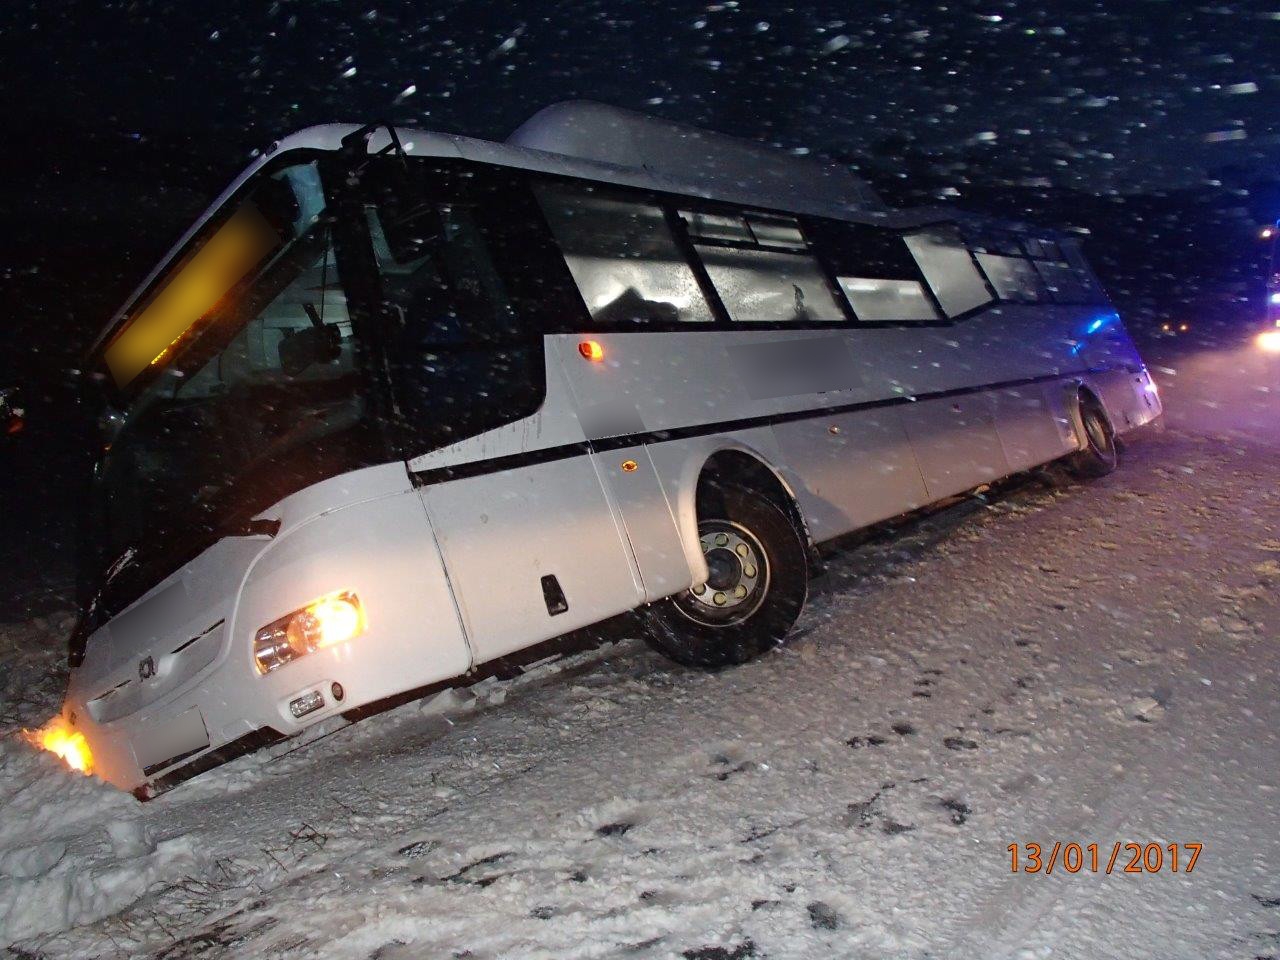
x,y
331,620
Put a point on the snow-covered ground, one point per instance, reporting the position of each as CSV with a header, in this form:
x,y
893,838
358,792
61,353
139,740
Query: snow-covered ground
x,y
1089,663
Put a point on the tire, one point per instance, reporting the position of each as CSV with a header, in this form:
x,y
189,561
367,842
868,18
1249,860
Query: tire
x,y
1101,453
737,616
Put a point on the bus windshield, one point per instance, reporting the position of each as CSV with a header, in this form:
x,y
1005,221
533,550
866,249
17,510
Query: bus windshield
x,y
239,374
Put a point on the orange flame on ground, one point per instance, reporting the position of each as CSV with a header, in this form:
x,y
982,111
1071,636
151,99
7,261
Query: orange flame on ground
x,y
58,737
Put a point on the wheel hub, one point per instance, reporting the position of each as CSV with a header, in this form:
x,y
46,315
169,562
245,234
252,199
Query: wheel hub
x,y
736,575
724,569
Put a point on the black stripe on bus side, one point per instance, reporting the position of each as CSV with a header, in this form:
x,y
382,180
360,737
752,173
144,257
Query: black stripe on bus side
x,y
475,468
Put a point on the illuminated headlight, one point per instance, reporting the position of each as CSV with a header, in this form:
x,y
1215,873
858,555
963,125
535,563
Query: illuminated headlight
x,y
1269,340
331,620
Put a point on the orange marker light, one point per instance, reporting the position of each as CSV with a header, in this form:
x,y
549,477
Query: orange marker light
x,y
630,466
591,350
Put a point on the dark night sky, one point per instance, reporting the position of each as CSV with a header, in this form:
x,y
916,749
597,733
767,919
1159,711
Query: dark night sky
x,y
1131,95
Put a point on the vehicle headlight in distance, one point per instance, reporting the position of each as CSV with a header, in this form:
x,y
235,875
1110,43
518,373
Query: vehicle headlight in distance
x,y
330,620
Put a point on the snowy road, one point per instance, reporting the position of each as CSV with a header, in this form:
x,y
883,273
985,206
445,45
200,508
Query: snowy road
x,y
1091,663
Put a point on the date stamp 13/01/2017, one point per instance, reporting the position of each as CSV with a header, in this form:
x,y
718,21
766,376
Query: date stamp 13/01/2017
x,y
1119,857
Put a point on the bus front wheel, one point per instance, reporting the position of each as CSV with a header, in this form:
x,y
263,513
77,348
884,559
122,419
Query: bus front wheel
x,y
757,584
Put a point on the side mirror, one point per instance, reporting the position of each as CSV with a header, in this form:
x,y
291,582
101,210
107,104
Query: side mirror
x,y
301,348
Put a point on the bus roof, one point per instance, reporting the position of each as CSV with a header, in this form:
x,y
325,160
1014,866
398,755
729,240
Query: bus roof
x,y
623,138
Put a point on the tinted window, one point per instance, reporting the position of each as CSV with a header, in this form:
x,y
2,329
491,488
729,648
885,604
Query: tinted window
x,y
878,299
266,395
453,249
949,270
1093,292
1023,269
1062,282
777,232
875,270
1012,278
445,279
623,257
762,269
759,286
712,226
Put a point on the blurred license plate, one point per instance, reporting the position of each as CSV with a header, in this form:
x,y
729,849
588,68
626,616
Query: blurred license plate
x,y
165,742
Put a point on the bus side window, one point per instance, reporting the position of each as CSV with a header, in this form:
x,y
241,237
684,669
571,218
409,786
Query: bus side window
x,y
461,358
1013,278
448,290
1028,271
762,268
875,270
949,269
1063,283
1090,289
623,257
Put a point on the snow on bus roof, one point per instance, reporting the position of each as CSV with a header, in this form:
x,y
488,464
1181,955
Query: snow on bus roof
x,y
624,138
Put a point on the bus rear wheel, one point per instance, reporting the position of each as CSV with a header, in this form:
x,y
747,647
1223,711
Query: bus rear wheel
x,y
758,582
1100,454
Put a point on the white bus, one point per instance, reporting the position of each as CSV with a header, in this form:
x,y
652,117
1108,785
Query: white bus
x,y
402,403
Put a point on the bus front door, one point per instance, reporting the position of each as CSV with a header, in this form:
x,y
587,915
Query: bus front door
x,y
535,550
